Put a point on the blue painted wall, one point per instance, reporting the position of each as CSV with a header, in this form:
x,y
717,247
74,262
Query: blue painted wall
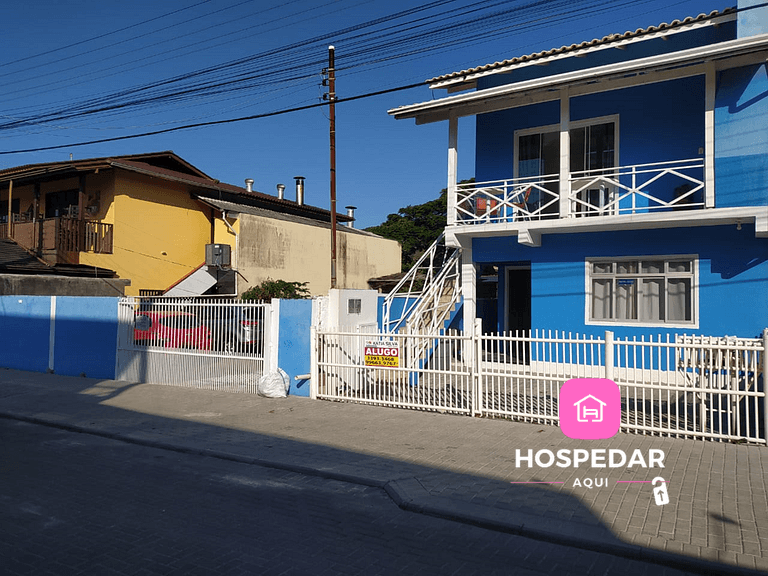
x,y
733,276
752,21
399,304
653,127
24,332
85,334
741,137
494,153
294,343
455,322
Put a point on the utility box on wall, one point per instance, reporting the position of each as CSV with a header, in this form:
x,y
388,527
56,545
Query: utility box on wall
x,y
219,255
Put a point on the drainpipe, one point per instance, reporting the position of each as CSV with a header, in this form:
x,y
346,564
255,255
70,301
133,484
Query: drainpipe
x,y
237,242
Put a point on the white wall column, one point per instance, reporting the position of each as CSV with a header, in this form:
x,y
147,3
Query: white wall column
x,y
272,332
468,285
51,334
565,152
453,160
710,83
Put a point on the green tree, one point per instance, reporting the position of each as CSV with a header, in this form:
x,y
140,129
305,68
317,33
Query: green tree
x,y
277,289
416,227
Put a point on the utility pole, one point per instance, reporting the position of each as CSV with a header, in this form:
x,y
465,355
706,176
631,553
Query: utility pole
x,y
331,97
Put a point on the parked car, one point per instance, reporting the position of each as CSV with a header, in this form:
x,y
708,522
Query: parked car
x,y
236,329
170,330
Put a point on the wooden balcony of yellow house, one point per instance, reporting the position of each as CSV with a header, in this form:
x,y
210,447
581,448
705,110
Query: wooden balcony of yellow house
x,y
58,240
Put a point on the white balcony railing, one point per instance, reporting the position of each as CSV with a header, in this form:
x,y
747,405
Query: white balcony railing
x,y
639,189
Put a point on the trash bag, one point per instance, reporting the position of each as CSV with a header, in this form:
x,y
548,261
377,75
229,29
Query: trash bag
x,y
274,385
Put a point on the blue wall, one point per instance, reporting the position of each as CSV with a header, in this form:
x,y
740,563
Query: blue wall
x,y
85,334
733,276
24,332
399,304
658,122
752,21
741,137
294,343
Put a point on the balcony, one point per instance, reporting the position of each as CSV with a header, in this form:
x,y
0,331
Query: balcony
x,y
628,190
60,239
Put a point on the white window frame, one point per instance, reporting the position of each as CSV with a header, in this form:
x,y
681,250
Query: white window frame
x,y
572,124
694,275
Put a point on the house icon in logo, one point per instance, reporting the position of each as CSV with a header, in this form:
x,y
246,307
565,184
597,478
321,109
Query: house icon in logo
x,y
589,409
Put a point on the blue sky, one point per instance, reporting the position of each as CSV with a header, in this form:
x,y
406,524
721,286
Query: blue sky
x,y
61,54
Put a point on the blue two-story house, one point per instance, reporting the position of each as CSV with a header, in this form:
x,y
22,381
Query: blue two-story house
x,y
621,184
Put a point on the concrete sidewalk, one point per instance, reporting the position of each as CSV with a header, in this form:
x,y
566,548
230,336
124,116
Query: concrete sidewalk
x,y
454,467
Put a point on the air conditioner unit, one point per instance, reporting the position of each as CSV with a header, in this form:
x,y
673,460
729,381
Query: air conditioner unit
x,y
219,255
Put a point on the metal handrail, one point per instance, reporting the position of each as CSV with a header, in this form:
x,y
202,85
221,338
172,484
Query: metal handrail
x,y
429,271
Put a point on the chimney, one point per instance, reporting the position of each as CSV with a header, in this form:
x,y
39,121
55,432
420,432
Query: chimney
x,y
299,190
351,214
281,191
249,184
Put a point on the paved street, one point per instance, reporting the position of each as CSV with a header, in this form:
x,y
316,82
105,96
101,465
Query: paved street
x,y
76,503
190,476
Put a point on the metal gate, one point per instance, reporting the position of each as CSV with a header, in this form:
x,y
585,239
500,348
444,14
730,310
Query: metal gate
x,y
199,343
677,385
413,370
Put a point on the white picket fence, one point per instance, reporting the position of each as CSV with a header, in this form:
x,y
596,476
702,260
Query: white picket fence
x,y
216,344
683,386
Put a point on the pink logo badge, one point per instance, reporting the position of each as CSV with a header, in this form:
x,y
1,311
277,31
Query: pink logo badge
x,y
590,408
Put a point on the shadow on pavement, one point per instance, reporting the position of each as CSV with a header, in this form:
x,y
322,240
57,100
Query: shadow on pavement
x,y
531,510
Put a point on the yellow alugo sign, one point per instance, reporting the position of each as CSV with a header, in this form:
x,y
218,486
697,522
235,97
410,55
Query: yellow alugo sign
x,y
382,353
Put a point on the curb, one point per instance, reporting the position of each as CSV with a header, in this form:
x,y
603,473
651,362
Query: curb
x,y
409,494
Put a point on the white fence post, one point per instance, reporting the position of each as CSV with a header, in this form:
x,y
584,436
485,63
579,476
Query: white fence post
x,y
477,345
609,349
765,384
313,372
272,332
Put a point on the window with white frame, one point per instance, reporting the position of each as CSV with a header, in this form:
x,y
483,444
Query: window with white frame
x,y
644,290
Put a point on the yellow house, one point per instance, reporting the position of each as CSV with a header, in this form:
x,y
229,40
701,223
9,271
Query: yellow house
x,y
149,217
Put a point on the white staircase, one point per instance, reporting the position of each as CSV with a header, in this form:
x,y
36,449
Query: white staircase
x,y
428,294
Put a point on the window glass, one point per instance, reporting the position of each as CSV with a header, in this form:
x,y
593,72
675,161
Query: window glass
x,y
602,299
602,267
529,160
652,267
626,299
679,300
679,266
626,267
652,300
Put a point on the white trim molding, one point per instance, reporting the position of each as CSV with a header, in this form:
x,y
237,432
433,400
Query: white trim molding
x,y
530,232
646,70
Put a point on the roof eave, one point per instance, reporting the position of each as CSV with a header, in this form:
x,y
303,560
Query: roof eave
x,y
441,109
467,79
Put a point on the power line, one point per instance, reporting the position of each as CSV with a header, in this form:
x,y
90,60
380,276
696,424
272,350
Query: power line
x,y
217,122
110,33
403,35
226,75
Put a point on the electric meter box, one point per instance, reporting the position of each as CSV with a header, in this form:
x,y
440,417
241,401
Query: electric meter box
x,y
219,255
